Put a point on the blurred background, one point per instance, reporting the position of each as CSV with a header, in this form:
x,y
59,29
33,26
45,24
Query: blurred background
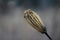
x,y
14,27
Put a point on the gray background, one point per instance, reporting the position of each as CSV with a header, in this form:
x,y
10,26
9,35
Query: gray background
x,y
13,26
